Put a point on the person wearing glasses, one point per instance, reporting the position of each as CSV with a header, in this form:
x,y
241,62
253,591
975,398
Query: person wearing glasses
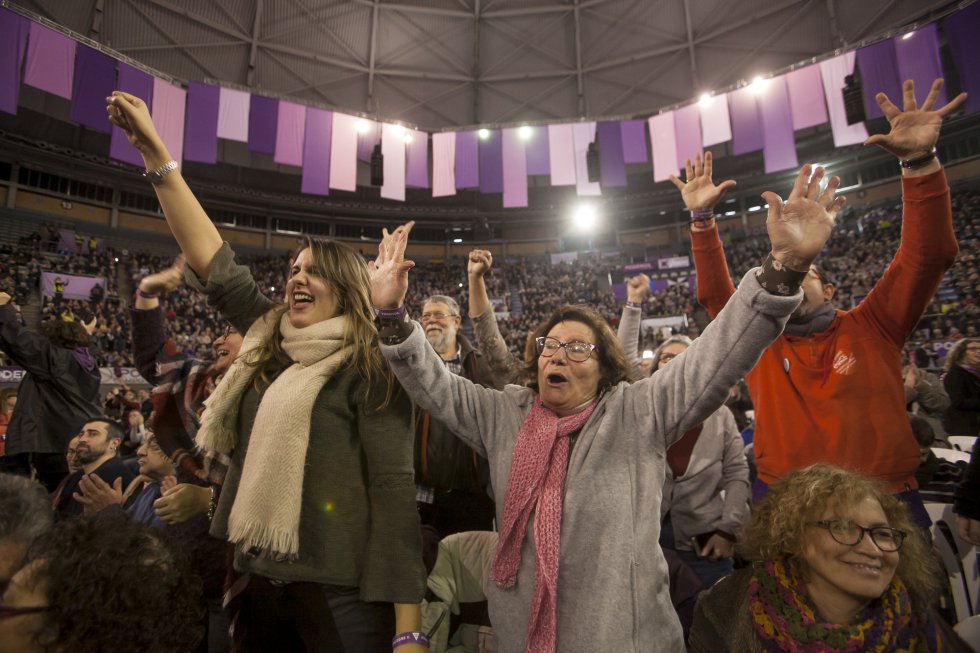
x,y
577,456
836,565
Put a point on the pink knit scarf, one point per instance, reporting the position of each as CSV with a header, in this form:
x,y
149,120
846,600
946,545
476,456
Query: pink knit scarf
x,y
537,482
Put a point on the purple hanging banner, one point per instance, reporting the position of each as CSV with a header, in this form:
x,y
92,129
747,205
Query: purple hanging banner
x,y
779,146
716,125
514,169
878,64
583,133
961,31
316,152
687,133
538,153
50,62
746,126
611,163
491,163
140,84
467,160
13,43
561,154
343,152
263,117
663,145
233,109
201,128
169,106
95,79
290,127
443,164
417,161
634,133
806,99
918,60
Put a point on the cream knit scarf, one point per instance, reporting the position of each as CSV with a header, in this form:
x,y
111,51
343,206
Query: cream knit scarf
x,y
266,511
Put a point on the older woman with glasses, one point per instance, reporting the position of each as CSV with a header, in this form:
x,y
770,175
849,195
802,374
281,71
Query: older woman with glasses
x,y
836,566
577,457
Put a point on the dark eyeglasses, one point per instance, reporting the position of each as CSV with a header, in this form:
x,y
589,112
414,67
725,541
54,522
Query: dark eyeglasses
x,y
425,317
7,612
576,350
850,534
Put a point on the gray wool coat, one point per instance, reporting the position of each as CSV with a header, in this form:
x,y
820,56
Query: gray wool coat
x,y
612,584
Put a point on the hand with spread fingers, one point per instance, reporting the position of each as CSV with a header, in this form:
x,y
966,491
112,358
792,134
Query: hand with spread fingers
x,y
389,272
914,130
800,226
700,192
96,495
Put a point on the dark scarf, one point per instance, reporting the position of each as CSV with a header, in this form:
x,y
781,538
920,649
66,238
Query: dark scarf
x,y
786,620
811,323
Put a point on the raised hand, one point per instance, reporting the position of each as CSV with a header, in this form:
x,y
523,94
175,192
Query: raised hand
x,y
166,280
799,228
479,263
914,129
389,272
700,192
131,114
637,288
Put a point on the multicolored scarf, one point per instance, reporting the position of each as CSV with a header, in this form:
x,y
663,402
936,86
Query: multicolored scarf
x,y
785,619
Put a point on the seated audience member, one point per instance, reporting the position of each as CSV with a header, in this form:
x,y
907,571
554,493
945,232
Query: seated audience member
x,y
95,453
925,396
966,503
937,478
101,584
25,515
836,565
706,488
829,389
962,383
59,391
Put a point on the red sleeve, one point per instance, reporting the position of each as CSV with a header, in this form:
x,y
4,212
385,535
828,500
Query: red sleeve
x,y
714,283
927,249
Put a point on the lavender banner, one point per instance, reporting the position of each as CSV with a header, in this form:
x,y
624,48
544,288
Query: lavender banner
x,y
538,152
50,62
961,31
316,152
611,162
290,130
443,164
687,133
201,129
634,134
878,64
832,72
514,168
13,43
140,84
806,97
746,126
918,60
95,80
263,117
73,286
779,146
492,163
467,160
417,163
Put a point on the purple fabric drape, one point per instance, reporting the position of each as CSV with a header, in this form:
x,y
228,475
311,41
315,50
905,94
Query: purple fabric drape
x,y
417,162
316,152
918,60
393,149
746,126
634,134
583,133
611,161
663,144
50,64
491,163
443,164
263,118
538,155
233,110
169,106
716,125
514,168
95,80
806,98
961,31
467,160
561,155
687,133
290,130
14,29
140,84
779,146
343,152
878,64
201,129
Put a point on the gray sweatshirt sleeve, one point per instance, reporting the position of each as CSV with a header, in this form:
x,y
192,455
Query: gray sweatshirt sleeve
x,y
629,336
734,478
696,383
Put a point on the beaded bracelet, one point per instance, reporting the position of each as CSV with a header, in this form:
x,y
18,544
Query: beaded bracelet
x,y
702,218
409,638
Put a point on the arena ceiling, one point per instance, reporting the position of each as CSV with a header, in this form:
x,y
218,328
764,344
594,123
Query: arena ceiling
x,y
449,63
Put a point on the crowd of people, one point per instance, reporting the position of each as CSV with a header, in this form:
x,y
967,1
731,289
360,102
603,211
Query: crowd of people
x,y
307,443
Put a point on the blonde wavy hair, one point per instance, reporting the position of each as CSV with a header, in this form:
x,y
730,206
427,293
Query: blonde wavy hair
x,y
777,529
344,271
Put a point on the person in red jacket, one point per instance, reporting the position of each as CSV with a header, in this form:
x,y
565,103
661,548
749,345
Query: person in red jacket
x,y
829,390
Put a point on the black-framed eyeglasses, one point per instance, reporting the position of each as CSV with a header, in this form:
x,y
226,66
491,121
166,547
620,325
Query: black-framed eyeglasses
x,y
850,534
435,315
576,350
7,612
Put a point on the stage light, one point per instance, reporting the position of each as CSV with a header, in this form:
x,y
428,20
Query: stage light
x,y
585,217
408,138
457,240
906,37
758,85
705,99
484,134
524,133
398,130
362,126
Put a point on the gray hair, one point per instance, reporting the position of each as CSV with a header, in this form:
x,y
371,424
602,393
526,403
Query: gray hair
x,y
678,339
25,509
448,301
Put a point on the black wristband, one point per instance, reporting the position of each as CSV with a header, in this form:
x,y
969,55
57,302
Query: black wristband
x,y
395,329
918,162
779,279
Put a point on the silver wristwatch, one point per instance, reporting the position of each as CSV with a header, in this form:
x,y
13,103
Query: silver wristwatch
x,y
158,175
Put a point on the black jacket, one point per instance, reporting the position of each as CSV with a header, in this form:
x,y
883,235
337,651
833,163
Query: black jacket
x,y
57,396
963,415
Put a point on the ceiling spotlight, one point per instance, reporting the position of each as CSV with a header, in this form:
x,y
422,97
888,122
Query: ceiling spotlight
x,y
906,37
457,240
408,138
362,127
524,133
758,85
585,217
705,99
484,134
398,130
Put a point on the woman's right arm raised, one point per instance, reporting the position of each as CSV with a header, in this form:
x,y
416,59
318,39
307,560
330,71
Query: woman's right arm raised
x,y
197,236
